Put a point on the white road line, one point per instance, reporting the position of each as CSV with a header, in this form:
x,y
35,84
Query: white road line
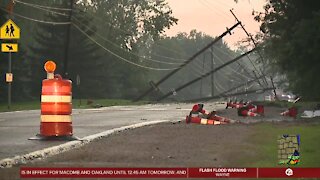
x,y
12,112
47,152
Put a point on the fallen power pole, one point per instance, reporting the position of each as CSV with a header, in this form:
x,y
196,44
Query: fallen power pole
x,y
188,61
274,90
235,94
255,75
255,45
207,74
223,94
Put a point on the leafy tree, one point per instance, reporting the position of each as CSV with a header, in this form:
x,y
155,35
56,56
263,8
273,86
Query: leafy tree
x,y
127,27
50,44
121,27
291,42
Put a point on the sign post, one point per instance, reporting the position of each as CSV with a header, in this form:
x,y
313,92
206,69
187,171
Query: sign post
x,y
9,32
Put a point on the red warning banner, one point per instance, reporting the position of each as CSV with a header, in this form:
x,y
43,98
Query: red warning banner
x,y
222,172
289,172
28,172
206,172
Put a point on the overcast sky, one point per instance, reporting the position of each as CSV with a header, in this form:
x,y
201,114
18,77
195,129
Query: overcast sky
x,y
213,16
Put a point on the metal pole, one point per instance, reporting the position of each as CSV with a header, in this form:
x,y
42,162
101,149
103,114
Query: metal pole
x,y
212,75
66,53
9,83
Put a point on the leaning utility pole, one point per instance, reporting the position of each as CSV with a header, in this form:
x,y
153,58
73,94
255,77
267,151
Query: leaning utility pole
x,y
212,75
234,94
255,45
224,93
207,74
67,47
188,61
274,90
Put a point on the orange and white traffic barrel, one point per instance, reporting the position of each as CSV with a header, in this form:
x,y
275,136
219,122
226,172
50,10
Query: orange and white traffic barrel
x,y
56,105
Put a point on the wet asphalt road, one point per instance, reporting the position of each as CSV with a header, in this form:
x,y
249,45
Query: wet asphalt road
x,y
17,127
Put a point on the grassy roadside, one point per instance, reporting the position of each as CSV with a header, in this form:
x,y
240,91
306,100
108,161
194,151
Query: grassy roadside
x,y
77,104
263,144
285,104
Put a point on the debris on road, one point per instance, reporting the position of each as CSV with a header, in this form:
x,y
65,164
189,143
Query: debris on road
x,y
291,112
310,114
199,116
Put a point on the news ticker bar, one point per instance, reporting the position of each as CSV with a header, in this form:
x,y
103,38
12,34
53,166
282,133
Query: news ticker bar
x,y
207,172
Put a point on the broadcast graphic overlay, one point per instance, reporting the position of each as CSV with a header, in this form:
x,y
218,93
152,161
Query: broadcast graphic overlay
x,y
288,149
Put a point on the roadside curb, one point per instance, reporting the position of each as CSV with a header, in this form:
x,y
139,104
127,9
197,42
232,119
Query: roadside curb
x,y
48,152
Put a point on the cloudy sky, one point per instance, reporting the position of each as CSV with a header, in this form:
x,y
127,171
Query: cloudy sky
x,y
213,16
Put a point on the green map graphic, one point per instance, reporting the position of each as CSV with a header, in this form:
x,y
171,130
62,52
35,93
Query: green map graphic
x,y
289,149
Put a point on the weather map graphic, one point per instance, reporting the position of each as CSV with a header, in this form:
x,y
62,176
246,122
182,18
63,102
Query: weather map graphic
x,y
289,149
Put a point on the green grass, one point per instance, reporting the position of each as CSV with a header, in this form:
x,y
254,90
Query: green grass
x,y
285,104
264,141
17,106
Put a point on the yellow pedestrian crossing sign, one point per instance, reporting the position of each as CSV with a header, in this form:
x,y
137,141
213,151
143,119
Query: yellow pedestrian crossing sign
x,y
9,30
9,47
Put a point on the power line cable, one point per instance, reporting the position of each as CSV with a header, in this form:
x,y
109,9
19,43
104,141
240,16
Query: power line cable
x,y
37,20
230,67
118,56
54,12
215,10
245,69
41,8
115,45
127,32
46,7
34,6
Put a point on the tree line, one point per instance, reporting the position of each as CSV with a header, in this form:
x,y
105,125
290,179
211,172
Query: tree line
x,y
290,40
115,49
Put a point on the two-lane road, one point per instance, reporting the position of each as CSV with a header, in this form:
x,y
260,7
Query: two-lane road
x,y
17,127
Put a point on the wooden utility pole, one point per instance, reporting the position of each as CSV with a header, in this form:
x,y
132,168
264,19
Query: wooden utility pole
x,y
188,61
212,75
255,45
67,47
207,74
274,89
